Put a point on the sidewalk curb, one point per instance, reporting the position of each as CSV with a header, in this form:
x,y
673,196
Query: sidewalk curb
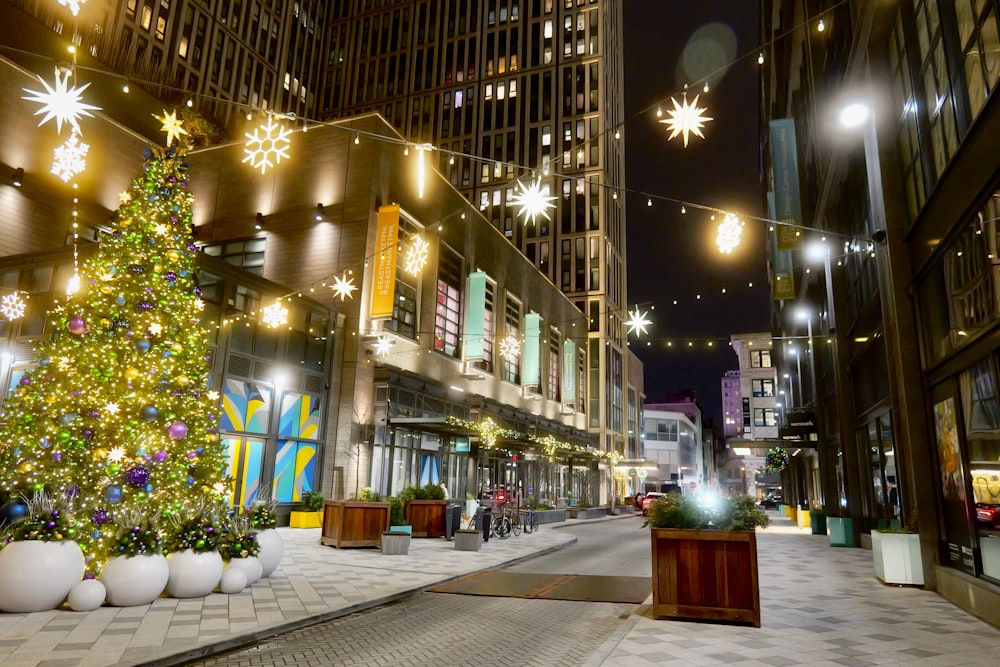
x,y
232,643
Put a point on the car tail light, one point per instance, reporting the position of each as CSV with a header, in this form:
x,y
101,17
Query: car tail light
x,y
986,513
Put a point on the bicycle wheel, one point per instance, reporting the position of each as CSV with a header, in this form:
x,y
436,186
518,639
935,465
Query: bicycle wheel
x,y
501,527
527,519
515,525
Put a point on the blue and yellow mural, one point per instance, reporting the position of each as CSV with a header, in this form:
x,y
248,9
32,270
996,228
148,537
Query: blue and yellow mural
x,y
246,406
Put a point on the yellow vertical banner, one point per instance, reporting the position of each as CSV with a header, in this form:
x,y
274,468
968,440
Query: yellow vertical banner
x,y
384,277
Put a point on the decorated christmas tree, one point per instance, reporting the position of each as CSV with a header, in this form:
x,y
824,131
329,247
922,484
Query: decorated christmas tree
x,y
117,416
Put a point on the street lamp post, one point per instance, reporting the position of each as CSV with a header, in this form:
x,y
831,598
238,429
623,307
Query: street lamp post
x,y
791,392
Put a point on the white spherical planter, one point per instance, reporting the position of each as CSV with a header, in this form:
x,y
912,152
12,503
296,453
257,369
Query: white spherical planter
x,y
37,576
233,581
193,575
250,566
272,548
87,595
135,580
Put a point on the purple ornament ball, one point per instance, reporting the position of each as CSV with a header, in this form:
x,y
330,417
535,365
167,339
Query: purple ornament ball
x,y
177,431
160,456
76,325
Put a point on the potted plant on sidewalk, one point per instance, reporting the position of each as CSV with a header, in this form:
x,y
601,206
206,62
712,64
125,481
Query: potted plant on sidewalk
x,y
704,561
396,540
355,523
425,509
896,554
311,516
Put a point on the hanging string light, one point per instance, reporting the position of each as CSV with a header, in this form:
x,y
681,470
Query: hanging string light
x,y
421,168
73,286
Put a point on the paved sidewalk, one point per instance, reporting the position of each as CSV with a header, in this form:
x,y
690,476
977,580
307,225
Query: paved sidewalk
x,y
820,605
312,582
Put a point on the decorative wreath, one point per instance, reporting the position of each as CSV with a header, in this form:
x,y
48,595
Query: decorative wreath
x,y
776,460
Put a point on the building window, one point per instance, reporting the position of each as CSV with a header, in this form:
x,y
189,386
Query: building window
x,y
447,308
760,358
555,367
765,416
762,387
248,254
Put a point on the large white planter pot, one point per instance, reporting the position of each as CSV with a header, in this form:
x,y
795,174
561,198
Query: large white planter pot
x,y
193,575
896,557
250,566
470,508
272,548
37,576
135,580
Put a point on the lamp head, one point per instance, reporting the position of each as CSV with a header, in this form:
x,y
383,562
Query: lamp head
x,y
855,114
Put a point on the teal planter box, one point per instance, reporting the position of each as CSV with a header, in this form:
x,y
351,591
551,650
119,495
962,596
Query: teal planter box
x,y
817,521
401,529
841,531
780,508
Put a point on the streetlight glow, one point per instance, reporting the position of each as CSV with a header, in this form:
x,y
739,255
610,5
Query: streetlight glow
x,y
854,115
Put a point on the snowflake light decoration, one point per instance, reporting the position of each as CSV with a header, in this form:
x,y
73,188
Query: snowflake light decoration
x,y
382,346
343,286
685,119
510,348
212,395
532,201
12,306
275,315
267,145
637,322
112,408
171,125
72,5
730,231
68,159
61,102
416,256
155,328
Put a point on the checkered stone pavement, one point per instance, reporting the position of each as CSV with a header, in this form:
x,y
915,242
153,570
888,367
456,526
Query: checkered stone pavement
x,y
819,606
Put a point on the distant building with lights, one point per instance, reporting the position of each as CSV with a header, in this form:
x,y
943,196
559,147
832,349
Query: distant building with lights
x,y
732,405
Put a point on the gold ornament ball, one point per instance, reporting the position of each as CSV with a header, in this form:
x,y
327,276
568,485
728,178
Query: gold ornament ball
x,y
26,467
172,255
125,222
100,453
132,373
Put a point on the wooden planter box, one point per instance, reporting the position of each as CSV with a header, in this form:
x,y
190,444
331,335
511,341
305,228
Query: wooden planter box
x,y
896,557
426,517
705,574
354,523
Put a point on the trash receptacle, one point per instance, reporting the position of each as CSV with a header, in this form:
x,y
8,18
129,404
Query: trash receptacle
x,y
452,520
484,519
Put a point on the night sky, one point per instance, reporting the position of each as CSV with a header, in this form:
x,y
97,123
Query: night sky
x,y
673,256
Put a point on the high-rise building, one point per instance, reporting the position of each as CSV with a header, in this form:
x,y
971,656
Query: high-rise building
x,y
514,90
881,131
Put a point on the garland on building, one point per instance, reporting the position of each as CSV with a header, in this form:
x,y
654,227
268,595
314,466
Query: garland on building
x,y
776,460
490,434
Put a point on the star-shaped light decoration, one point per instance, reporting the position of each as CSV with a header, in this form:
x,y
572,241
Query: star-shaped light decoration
x,y
12,306
275,315
171,125
532,201
212,395
112,408
155,328
116,454
199,304
61,102
267,145
730,231
161,229
416,255
72,5
382,346
69,160
124,197
343,286
685,119
510,347
637,322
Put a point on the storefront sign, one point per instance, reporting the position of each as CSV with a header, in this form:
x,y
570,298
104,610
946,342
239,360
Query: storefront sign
x,y
475,316
530,358
569,373
799,425
785,167
461,444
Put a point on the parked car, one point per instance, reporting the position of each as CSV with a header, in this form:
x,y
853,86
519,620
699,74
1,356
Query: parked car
x,y
988,516
651,498
770,501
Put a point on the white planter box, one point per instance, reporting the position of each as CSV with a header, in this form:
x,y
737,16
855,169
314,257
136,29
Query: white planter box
x,y
897,558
